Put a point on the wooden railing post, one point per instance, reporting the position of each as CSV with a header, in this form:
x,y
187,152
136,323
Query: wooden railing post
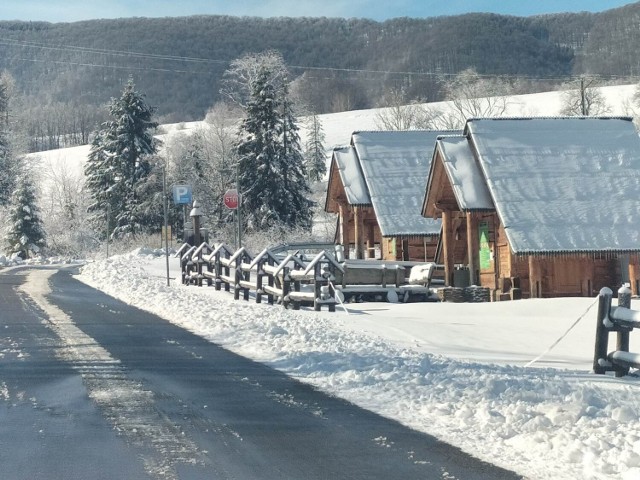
x,y
259,275
622,340
286,285
270,282
602,331
218,270
237,277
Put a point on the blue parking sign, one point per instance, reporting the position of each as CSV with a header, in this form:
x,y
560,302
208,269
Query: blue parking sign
x,y
181,194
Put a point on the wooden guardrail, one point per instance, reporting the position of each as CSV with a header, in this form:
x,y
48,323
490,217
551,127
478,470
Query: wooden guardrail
x,y
289,280
621,320
292,280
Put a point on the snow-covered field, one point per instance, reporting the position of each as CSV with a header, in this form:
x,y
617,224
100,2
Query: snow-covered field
x,y
338,127
456,371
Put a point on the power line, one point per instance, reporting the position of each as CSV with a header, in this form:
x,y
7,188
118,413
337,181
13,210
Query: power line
x,y
100,51
151,56
114,67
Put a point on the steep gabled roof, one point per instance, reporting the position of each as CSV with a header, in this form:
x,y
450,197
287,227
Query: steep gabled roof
x,y
464,173
395,165
562,184
349,168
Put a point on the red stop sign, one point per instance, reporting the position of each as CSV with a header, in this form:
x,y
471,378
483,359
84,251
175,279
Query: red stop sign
x,y
231,199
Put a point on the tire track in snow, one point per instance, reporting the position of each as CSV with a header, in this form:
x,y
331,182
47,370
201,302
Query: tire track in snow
x,y
124,402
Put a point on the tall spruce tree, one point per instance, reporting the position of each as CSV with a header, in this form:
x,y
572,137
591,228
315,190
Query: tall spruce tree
x,y
118,165
25,235
271,173
295,203
315,155
9,162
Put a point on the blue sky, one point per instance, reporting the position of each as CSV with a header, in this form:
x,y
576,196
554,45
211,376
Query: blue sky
x,y
73,10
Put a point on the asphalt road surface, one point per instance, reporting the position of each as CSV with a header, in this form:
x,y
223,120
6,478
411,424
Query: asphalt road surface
x,y
91,388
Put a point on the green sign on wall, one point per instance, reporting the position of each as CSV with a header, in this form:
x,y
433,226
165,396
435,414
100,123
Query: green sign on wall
x,y
485,250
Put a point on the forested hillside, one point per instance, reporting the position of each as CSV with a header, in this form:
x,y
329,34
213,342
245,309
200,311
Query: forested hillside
x,y
342,63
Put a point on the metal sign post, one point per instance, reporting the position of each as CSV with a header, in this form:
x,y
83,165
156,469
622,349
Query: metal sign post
x,y
182,195
166,219
231,200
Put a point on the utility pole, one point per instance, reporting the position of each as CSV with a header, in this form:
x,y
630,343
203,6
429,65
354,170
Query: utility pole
x,y
108,226
166,219
238,208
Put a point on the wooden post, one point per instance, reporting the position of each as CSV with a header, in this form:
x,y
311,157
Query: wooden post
x,y
371,241
246,276
271,282
226,270
259,274
286,285
359,232
588,274
317,287
344,228
447,248
633,274
602,332
622,340
195,215
472,246
237,277
535,278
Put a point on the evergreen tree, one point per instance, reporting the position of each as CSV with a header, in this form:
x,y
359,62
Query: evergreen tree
x,y
295,203
315,155
100,181
270,165
9,164
25,236
118,165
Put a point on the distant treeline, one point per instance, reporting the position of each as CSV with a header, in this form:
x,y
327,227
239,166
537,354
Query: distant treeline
x,y
339,63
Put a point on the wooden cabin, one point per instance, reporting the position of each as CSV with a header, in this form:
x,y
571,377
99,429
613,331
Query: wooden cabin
x,y
348,196
376,185
538,207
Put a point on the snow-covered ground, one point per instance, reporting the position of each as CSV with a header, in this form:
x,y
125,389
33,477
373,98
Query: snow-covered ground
x,y
456,371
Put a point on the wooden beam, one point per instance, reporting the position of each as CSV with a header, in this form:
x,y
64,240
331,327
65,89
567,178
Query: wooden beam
x,y
359,232
535,278
472,246
344,228
588,274
634,269
371,240
447,247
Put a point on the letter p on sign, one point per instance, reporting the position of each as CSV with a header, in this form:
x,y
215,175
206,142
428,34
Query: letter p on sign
x,y
181,194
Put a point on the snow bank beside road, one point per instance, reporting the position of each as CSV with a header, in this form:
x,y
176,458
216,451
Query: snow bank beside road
x,y
543,423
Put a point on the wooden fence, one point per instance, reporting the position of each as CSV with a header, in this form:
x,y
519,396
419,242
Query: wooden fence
x,y
621,320
294,281
288,280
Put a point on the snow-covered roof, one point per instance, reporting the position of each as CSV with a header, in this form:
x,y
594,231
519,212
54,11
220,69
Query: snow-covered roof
x,y
562,184
351,176
464,173
395,165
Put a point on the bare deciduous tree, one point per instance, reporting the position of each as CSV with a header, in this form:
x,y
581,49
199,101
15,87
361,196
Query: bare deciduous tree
x,y
475,96
398,115
204,158
63,203
243,71
587,100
